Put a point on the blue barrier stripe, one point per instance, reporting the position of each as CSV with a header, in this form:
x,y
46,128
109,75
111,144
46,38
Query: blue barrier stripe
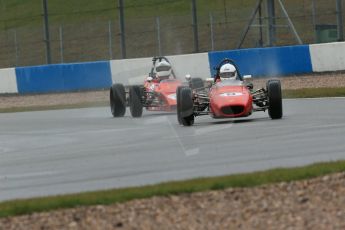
x,y
276,61
96,75
63,77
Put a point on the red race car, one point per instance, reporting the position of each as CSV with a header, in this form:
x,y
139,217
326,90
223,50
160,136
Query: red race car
x,y
228,95
158,93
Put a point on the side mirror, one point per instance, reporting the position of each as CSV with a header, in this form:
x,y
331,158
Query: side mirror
x,y
209,81
246,77
250,86
188,77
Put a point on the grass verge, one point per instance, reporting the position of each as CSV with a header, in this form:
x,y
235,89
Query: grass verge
x,y
20,207
314,92
53,107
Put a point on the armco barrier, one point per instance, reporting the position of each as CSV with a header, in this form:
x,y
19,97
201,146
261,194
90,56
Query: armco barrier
x,y
8,81
328,56
262,62
63,77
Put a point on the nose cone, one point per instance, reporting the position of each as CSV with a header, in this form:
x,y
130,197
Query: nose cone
x,y
231,101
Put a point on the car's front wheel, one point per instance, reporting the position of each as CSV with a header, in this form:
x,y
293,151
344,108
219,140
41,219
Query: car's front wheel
x,y
275,106
185,112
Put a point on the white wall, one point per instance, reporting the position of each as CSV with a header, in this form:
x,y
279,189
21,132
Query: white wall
x,y
8,81
328,56
130,71
135,71
197,65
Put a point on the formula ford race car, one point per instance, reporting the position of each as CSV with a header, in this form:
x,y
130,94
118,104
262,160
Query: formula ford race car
x,y
158,93
228,95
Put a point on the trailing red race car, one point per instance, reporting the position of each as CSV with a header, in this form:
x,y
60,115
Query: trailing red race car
x,y
228,95
158,93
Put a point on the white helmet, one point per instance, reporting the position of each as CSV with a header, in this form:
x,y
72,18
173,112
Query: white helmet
x,y
227,71
163,69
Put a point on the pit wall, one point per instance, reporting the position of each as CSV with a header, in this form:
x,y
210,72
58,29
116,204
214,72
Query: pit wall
x,y
258,62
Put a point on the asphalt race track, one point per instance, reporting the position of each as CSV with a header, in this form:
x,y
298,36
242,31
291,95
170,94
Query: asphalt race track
x,y
66,151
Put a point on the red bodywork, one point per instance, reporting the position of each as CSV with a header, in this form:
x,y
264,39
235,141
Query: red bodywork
x,y
164,95
230,99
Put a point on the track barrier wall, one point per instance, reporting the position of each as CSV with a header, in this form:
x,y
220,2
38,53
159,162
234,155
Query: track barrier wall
x,y
258,62
264,62
63,77
328,57
8,81
135,71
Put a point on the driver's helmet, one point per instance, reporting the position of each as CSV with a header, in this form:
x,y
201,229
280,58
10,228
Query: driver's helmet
x,y
227,71
163,70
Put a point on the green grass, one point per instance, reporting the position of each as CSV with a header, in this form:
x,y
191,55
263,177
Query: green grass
x,y
53,107
314,92
20,207
15,13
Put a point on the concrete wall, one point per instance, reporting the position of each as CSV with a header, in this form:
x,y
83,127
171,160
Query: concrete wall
x,y
8,81
130,71
197,65
328,56
135,71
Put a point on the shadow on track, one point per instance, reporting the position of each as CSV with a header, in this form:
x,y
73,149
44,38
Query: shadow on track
x,y
225,121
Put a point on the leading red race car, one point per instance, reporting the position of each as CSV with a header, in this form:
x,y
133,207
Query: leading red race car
x,y
158,93
229,95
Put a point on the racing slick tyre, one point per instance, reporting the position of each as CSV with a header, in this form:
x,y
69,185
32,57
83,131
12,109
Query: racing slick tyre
x,y
178,98
135,104
275,107
196,83
118,100
185,113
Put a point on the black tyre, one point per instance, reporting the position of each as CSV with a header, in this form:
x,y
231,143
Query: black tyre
x,y
185,112
196,83
117,100
178,98
135,103
275,107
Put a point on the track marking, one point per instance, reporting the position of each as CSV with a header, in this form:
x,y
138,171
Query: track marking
x,y
27,175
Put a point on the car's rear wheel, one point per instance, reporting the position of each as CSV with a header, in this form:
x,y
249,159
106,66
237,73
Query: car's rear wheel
x,y
185,112
196,83
275,106
135,103
117,100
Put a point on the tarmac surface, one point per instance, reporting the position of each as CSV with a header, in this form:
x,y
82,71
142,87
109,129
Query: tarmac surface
x,y
67,151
